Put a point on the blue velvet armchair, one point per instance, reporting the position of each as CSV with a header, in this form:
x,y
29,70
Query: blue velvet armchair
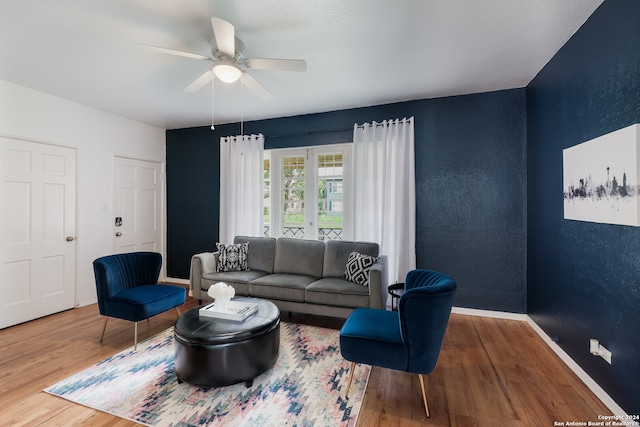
x,y
407,340
127,288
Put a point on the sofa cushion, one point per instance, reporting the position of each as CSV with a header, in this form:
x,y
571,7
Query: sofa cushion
x,y
298,256
288,287
337,292
337,252
232,257
238,279
358,266
234,276
261,253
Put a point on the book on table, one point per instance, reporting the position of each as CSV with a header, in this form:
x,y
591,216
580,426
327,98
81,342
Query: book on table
x,y
236,310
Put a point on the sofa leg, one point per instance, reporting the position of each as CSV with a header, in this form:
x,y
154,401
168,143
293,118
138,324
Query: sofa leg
x,y
424,394
353,368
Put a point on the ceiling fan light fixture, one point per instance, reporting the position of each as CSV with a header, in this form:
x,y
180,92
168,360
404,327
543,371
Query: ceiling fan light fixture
x,y
227,73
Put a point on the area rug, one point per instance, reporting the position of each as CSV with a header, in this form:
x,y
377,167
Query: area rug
x,y
304,388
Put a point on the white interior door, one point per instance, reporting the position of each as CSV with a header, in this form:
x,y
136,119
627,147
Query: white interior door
x,y
137,205
37,230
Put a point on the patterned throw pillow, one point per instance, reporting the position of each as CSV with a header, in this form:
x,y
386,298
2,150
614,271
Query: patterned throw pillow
x,y
358,266
232,257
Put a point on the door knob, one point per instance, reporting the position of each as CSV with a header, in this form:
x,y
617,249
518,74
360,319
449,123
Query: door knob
x,y
70,238
118,234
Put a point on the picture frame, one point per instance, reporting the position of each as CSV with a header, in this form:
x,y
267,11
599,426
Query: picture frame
x,y
601,177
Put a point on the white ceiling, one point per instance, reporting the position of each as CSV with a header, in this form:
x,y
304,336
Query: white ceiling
x,y
358,52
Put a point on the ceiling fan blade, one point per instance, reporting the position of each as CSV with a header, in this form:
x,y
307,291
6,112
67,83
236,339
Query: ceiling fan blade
x,y
173,52
277,64
200,82
255,86
225,36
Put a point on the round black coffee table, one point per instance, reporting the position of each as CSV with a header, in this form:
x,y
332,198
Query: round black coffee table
x,y
218,352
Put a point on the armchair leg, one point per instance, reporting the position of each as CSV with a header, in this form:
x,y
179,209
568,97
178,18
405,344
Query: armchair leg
x,y
424,394
135,336
353,367
178,310
104,328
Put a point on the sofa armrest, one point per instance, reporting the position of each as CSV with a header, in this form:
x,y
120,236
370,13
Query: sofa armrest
x,y
201,264
378,283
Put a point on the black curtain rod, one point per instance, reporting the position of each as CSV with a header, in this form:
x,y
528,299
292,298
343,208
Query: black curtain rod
x,y
288,135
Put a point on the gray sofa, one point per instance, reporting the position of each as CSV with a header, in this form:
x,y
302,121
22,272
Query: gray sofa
x,y
298,275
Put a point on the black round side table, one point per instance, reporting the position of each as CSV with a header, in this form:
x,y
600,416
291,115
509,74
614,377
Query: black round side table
x,y
396,290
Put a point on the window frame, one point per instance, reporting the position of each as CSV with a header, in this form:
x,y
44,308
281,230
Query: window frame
x,y
311,155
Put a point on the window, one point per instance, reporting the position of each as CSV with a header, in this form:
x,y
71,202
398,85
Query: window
x,y
330,184
304,192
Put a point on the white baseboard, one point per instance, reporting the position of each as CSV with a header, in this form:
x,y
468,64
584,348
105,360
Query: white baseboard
x,y
584,377
489,313
177,281
573,365
86,302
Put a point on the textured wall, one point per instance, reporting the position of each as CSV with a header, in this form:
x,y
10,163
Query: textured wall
x,y
470,178
583,278
471,198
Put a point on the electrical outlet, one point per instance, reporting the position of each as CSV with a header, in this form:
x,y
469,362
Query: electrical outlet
x,y
605,354
598,349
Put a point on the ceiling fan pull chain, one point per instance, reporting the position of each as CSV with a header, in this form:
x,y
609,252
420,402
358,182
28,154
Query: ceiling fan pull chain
x,y
241,110
212,100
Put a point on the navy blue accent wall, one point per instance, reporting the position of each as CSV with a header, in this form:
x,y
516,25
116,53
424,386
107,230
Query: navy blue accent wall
x,y
584,278
193,197
470,177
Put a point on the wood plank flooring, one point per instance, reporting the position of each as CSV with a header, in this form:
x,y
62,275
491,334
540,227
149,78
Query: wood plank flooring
x,y
491,372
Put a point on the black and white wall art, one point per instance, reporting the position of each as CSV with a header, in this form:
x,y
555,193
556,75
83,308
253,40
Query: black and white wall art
x,y
601,181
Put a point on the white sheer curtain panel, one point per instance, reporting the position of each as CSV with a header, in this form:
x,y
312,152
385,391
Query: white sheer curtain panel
x,y
384,202
241,182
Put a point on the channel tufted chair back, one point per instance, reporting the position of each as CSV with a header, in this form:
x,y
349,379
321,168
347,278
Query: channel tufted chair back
x,y
424,311
127,288
407,340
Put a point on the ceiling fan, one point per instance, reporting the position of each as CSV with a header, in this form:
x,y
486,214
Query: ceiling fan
x,y
230,64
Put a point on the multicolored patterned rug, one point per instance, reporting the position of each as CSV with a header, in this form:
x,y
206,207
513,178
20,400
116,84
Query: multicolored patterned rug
x,y
304,388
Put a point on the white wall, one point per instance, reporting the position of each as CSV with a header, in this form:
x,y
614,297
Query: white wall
x,y
97,137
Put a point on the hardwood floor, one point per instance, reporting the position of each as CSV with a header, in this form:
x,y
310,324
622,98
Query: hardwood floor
x,y
491,372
